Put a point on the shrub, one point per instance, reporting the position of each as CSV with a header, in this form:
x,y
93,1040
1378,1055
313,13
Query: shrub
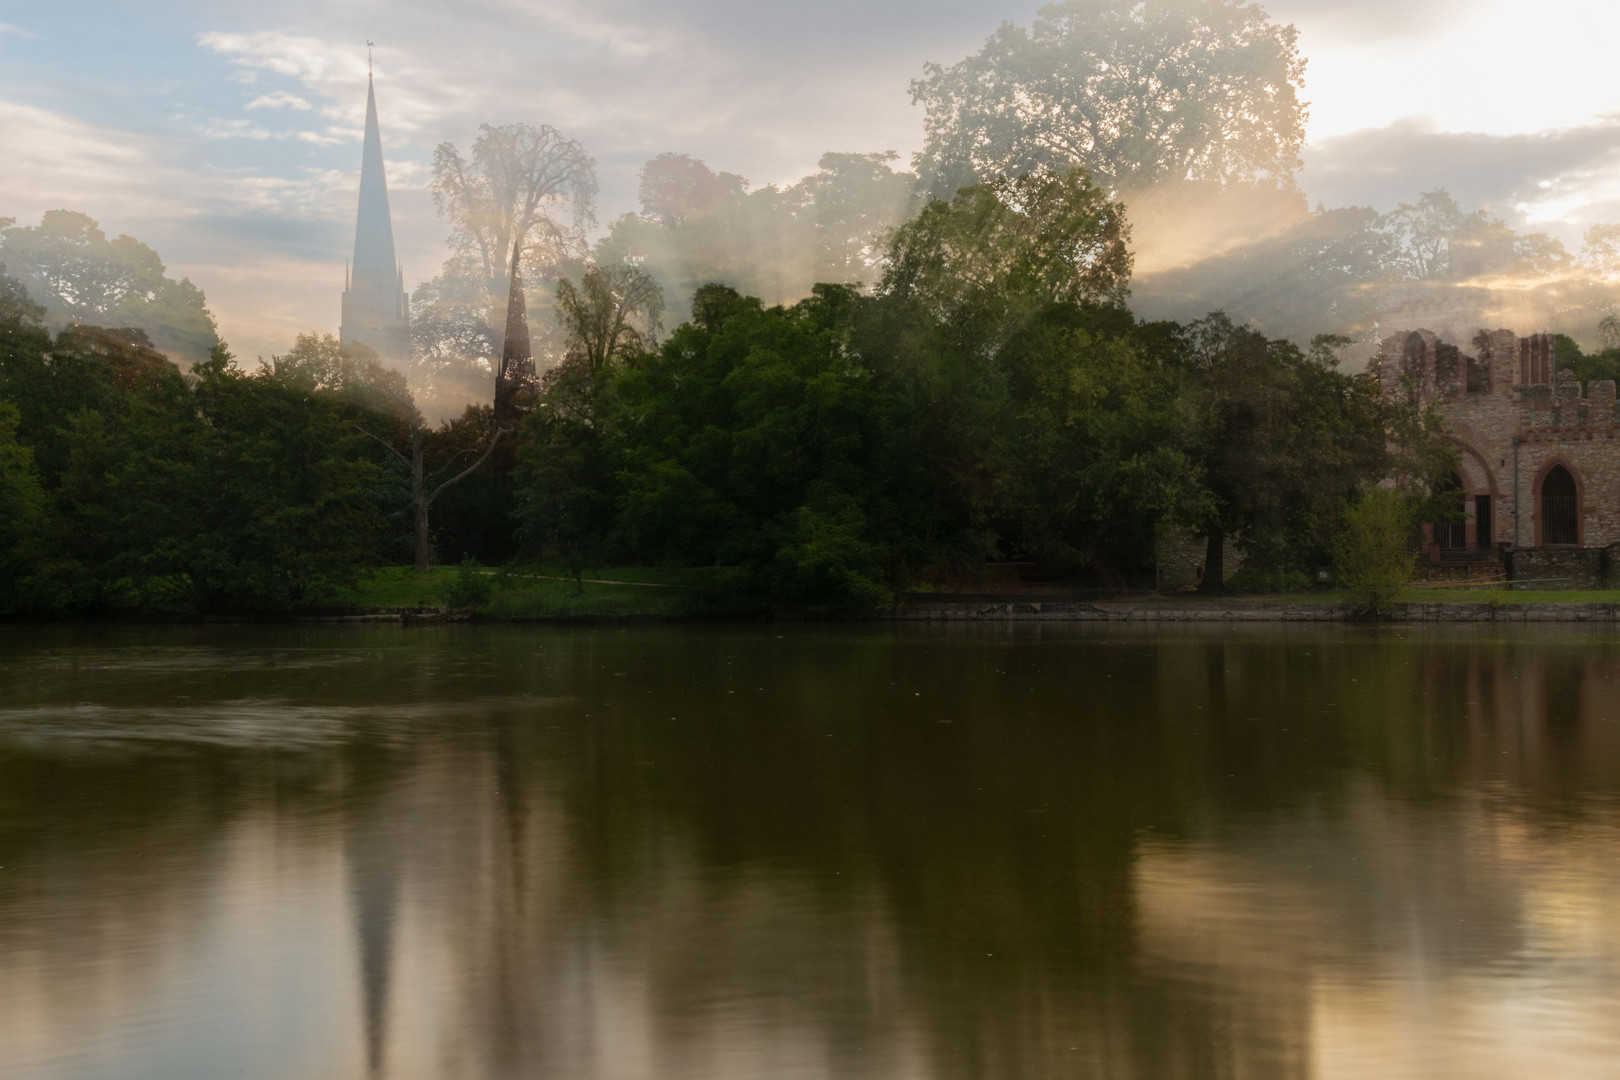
x,y
1374,556
471,587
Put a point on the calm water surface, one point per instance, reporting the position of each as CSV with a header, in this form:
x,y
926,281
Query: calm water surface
x,y
809,853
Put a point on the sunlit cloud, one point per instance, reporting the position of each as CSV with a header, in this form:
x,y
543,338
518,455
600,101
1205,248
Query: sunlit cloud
x,y
231,129
281,99
763,90
335,73
1562,178
55,161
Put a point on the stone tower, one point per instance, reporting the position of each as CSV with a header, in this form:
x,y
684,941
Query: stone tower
x,y
376,311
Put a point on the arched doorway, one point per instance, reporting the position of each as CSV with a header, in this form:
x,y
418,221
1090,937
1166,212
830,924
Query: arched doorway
x,y
1450,530
1560,521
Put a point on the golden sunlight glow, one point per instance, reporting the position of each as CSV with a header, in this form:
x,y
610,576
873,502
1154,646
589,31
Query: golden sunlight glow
x,y
1502,68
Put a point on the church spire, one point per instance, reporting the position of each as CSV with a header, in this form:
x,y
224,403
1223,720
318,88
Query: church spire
x,y
373,302
514,381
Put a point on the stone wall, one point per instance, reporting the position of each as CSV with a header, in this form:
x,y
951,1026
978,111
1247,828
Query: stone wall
x,y
1180,558
1513,419
1563,568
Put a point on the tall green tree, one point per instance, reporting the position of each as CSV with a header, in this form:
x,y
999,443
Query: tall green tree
x,y
1281,440
282,492
22,509
1041,238
698,226
1132,91
69,265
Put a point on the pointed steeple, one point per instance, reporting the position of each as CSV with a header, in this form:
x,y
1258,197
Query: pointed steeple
x,y
514,382
374,301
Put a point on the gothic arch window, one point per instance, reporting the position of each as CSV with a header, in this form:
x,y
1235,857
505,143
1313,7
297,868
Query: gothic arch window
x,y
1560,522
1450,531
1414,352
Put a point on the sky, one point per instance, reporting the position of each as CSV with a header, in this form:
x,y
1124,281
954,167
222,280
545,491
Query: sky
x,y
226,134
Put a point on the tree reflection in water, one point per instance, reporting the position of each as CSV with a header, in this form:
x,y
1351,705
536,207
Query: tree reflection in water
x,y
1023,851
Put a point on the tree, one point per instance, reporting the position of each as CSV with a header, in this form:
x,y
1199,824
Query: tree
x,y
565,478
352,374
856,201
1280,439
698,226
1092,441
425,487
1133,92
1540,254
1036,239
1600,250
454,346
277,490
67,263
611,315
22,509
1424,235
522,187
676,186
1375,554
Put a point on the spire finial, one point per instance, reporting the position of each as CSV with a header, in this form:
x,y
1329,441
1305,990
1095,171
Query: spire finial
x,y
369,45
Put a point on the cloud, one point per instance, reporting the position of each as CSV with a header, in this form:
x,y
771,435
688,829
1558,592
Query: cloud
x,y
281,99
1563,179
56,161
231,129
335,72
16,31
1372,20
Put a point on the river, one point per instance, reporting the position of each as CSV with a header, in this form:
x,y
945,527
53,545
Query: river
x,y
918,852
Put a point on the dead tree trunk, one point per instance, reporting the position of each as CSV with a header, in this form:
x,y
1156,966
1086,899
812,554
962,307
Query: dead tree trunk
x,y
421,497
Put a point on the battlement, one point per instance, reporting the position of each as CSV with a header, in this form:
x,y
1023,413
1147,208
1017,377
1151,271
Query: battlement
x,y
1504,366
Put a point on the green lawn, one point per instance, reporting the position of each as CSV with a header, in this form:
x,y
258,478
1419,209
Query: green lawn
x,y
1422,596
539,592
550,592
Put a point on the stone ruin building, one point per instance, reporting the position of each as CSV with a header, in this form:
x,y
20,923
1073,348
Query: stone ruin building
x,y
1538,475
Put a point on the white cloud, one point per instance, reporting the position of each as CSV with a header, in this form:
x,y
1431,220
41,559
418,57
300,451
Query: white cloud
x,y
281,99
231,129
54,161
16,31
336,73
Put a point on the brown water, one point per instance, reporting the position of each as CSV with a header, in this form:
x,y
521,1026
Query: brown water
x,y
809,852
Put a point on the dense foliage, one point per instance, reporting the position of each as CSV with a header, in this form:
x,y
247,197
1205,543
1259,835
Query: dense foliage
x,y
1134,92
70,267
124,482
992,400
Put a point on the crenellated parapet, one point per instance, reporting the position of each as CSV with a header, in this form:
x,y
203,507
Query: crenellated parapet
x,y
1502,365
1538,454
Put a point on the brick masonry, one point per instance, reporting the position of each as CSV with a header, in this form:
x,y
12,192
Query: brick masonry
x,y
1515,420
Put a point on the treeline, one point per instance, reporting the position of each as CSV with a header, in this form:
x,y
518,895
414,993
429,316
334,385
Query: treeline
x,y
125,484
991,399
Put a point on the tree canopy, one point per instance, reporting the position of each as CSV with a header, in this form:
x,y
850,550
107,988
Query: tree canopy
x,y
69,266
1132,91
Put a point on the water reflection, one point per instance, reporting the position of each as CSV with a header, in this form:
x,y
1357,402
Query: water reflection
x,y
1025,852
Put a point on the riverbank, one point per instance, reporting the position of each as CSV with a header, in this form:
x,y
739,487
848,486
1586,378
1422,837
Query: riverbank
x,y
400,594
1253,610
540,594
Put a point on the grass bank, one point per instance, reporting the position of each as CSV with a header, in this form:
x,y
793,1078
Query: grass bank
x,y
540,592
